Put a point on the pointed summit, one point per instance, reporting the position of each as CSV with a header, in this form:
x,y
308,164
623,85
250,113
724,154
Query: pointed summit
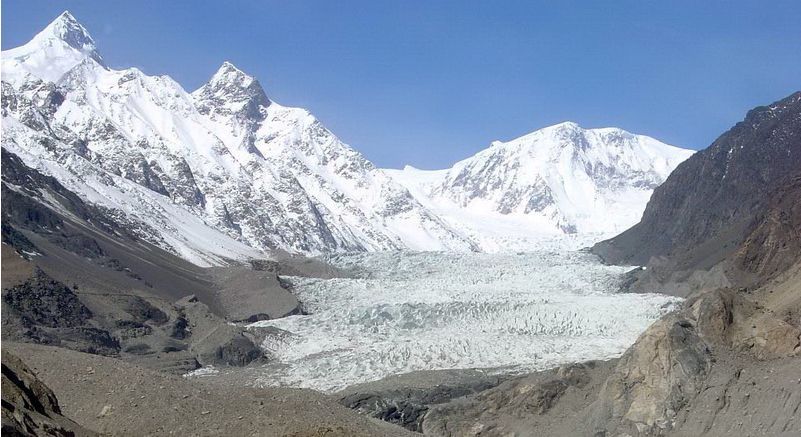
x,y
53,52
67,29
227,68
229,75
232,91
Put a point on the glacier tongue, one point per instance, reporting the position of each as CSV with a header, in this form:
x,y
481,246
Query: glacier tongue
x,y
409,311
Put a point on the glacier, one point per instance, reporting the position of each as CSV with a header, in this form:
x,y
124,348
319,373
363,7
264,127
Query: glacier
x,y
408,311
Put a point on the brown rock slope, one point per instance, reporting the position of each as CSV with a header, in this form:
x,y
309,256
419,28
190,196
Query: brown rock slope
x,y
700,215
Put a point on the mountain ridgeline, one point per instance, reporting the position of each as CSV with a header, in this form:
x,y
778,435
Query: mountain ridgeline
x,y
225,174
574,180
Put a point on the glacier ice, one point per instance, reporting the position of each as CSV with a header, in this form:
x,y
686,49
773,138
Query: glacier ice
x,y
408,311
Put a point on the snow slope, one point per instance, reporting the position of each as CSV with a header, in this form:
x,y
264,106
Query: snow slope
x,y
225,157
559,179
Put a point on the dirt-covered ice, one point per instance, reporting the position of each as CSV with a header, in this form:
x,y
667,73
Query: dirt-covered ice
x,y
406,311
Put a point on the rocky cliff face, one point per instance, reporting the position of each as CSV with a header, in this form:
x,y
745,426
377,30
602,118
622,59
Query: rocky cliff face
x,y
711,198
774,241
707,209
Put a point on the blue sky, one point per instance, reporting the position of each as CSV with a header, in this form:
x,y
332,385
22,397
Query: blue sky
x,y
431,82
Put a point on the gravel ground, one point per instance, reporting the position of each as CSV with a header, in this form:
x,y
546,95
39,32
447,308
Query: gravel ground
x,y
117,398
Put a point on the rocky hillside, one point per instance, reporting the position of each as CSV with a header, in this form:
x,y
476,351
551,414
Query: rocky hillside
x,y
29,407
702,210
118,398
774,241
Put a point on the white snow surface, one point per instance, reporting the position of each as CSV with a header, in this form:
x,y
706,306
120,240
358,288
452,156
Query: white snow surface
x,y
410,311
262,175
559,179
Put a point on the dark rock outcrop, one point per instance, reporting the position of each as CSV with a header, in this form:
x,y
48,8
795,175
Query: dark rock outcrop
x,y
406,405
43,310
29,407
238,351
43,301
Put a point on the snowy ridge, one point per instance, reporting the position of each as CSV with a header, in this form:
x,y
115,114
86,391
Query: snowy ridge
x,y
225,157
559,179
55,50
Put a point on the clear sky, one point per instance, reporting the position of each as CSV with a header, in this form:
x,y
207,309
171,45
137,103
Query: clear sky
x,y
430,82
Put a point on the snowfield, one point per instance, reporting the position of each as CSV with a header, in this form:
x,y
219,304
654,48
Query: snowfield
x,y
409,311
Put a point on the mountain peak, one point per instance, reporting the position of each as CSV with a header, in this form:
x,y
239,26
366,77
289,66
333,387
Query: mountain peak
x,y
66,28
51,53
565,129
228,67
228,73
234,89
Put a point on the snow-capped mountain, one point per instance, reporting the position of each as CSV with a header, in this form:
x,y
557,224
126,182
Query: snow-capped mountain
x,y
223,172
559,179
